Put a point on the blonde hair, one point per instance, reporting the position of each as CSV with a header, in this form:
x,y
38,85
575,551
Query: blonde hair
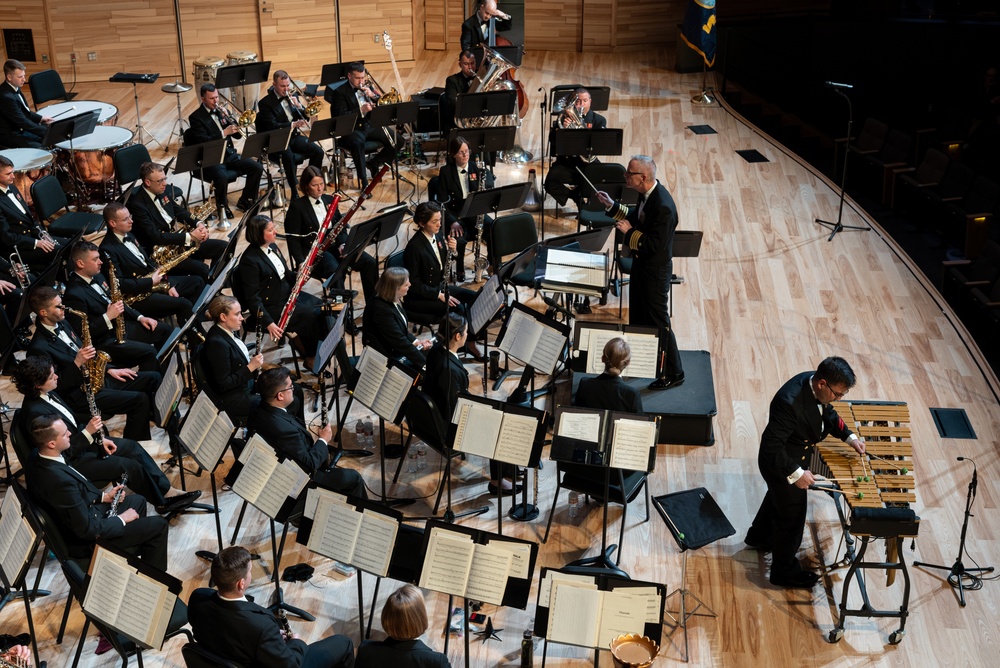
x,y
616,356
220,306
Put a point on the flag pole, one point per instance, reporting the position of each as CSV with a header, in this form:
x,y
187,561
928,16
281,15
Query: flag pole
x,y
704,98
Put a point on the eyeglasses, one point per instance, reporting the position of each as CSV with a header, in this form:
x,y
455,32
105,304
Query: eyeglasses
x,y
628,173
163,180
287,389
836,394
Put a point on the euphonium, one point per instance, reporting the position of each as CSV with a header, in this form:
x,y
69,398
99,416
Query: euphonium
x,y
392,97
116,296
490,78
567,108
93,369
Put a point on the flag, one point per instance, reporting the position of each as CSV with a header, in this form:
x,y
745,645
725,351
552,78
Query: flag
x,y
699,29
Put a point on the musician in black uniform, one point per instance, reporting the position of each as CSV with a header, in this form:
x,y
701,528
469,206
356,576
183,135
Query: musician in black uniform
x,y
455,85
305,215
649,228
458,178
119,246
209,123
278,110
227,359
404,620
426,257
354,97
385,327
101,458
264,283
475,29
125,391
153,215
80,509
18,227
800,416
20,127
563,181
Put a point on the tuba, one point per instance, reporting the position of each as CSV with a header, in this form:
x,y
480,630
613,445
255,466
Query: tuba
x,y
490,78
93,369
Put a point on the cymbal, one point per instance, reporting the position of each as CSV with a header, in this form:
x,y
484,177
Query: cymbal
x,y
176,87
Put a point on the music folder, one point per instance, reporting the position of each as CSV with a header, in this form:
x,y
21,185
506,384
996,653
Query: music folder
x,y
382,384
504,432
271,483
605,438
533,338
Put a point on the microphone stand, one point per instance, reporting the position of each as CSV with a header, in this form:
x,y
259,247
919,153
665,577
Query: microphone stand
x,y
958,571
839,226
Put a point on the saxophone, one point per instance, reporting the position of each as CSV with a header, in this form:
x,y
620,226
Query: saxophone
x,y
93,369
172,259
480,263
116,296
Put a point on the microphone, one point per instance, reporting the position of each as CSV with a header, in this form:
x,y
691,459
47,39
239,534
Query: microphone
x,y
964,459
834,84
556,305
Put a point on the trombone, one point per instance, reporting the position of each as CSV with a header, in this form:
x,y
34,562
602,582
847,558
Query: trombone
x,y
382,98
242,119
311,108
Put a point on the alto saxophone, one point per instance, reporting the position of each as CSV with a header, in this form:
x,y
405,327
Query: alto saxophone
x,y
479,262
171,260
116,296
93,369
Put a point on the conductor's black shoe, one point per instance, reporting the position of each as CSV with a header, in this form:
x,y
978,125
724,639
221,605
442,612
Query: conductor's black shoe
x,y
802,580
667,382
229,212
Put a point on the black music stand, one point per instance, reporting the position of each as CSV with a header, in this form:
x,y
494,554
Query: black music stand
x,y
261,146
695,520
334,72
687,243
494,200
600,96
586,143
491,103
332,129
242,74
200,157
68,129
395,115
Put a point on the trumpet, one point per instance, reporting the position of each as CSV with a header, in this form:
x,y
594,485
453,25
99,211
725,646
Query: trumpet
x,y
19,269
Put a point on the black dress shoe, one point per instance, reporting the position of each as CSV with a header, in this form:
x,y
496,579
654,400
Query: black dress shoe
x,y
244,205
801,580
667,382
179,502
760,547
229,213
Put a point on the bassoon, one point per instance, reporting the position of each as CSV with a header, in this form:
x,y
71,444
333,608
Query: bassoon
x,y
305,269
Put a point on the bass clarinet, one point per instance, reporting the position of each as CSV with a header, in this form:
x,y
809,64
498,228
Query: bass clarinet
x,y
305,270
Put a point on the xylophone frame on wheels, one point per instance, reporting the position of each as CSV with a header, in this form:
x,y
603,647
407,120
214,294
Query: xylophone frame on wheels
x,y
878,488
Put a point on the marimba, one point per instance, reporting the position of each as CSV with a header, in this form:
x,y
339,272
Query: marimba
x,y
878,489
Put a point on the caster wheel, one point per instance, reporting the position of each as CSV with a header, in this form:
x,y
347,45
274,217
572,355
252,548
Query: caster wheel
x,y
896,637
836,635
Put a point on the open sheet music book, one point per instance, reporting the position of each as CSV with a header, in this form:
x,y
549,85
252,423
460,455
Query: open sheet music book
x,y
485,430
206,432
645,347
487,303
265,481
123,598
381,387
604,438
17,537
581,614
456,565
168,394
360,537
531,341
580,272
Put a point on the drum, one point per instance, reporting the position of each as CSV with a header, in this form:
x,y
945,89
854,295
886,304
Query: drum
x,y
107,113
30,164
244,97
205,69
91,159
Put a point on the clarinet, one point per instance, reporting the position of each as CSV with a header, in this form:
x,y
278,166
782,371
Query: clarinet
x,y
305,270
113,510
282,618
479,263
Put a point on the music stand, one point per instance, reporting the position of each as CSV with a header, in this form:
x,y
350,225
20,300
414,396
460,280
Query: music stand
x,y
68,129
396,115
261,146
600,96
694,520
330,88
687,243
587,143
334,72
504,198
332,129
199,157
492,103
242,74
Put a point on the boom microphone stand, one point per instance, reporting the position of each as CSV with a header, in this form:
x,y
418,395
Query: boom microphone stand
x,y
838,88
958,571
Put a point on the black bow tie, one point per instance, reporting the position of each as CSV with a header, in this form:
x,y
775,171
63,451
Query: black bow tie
x,y
319,203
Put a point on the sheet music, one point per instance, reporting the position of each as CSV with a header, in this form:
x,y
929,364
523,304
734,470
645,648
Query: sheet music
x,y
8,517
580,426
520,557
258,463
545,587
548,349
215,441
108,582
597,340
576,268
169,599
487,303
621,613
630,444
478,429
289,478
375,543
645,356
16,539
574,613
372,367
169,391
198,421
516,439
395,386
459,407
652,599
137,615
447,562
488,575
521,335
317,495
335,531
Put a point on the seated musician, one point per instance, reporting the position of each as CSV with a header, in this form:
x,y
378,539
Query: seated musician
x,y
227,360
404,620
563,181
278,110
209,123
157,296
153,216
14,649
455,85
356,97
124,391
36,378
20,127
305,215
264,283
457,179
227,622
291,439
445,378
18,227
80,509
385,327
475,29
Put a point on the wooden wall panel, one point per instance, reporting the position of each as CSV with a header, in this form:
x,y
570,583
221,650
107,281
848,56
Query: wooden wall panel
x,y
299,36
436,23
216,29
31,15
642,24
554,25
361,19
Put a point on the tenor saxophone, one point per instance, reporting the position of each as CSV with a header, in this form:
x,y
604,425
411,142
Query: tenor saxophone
x,y
171,261
93,369
116,296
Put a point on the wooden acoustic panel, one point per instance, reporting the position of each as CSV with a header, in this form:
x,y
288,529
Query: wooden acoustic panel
x,y
554,25
299,37
362,20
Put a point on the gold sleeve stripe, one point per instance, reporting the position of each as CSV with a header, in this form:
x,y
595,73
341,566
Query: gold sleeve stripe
x,y
618,211
635,239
